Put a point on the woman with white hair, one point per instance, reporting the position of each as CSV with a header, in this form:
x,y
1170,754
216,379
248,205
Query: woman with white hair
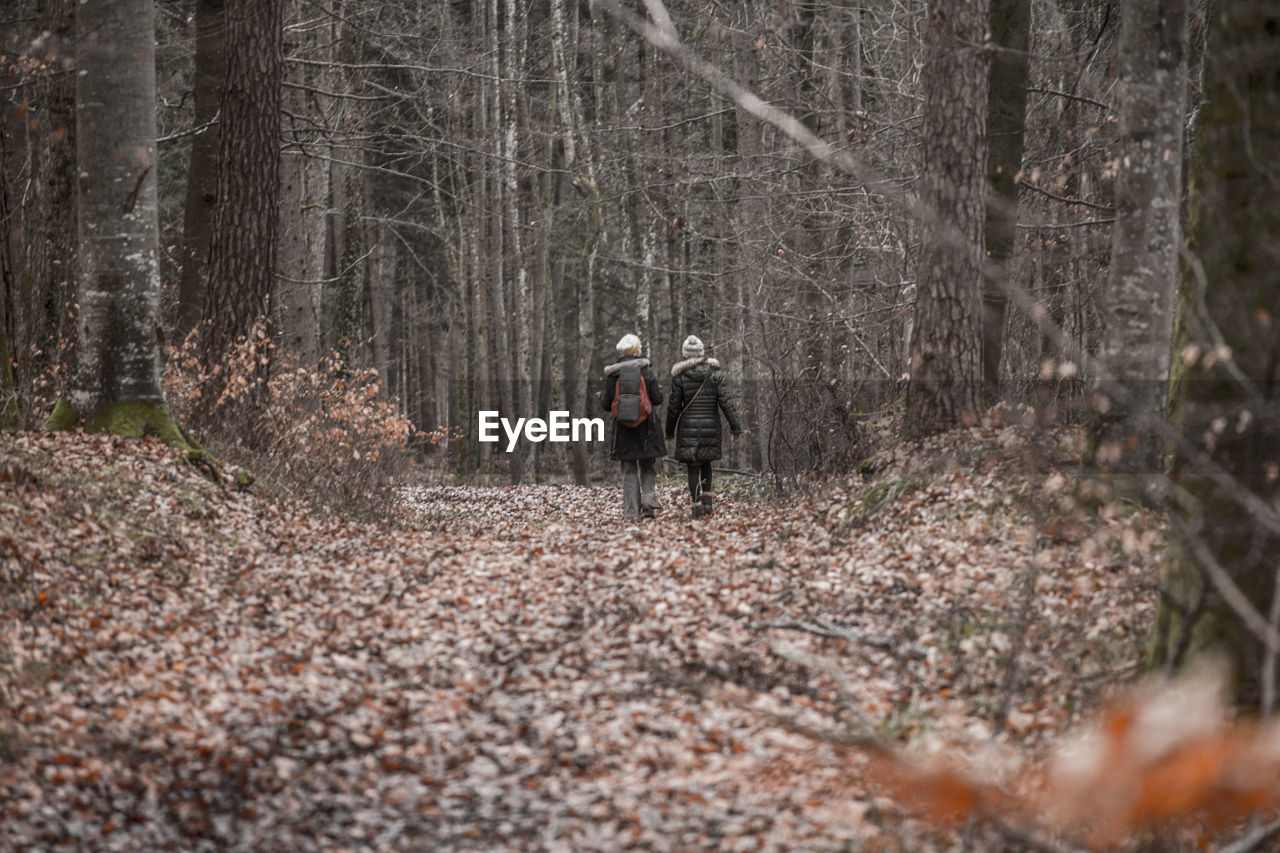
x,y
631,392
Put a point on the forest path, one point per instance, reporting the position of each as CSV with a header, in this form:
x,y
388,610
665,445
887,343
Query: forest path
x,y
525,671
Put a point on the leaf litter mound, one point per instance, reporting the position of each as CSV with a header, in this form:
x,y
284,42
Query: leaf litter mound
x,y
188,667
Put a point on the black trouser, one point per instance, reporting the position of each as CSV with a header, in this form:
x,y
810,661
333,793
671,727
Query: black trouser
x,y
699,479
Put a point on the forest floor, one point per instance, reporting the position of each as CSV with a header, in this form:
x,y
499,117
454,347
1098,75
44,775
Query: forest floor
x,y
184,666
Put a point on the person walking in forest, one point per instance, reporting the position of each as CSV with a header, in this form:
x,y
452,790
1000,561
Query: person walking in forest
x,y
698,396
632,393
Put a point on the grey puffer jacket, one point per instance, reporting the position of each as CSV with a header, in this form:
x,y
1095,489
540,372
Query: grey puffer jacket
x,y
693,415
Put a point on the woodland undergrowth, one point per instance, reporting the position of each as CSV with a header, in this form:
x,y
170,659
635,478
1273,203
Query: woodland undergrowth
x,y
319,433
942,654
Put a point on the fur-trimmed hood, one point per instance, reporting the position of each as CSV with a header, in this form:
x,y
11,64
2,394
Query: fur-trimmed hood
x,y
610,369
681,366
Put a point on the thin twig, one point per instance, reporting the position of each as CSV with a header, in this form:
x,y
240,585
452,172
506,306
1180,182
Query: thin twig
x,y
849,327
1211,328
1093,52
823,628
194,131
736,471
1230,592
1190,616
1109,674
1068,95
1254,840
1044,226
1105,207
1269,661
661,34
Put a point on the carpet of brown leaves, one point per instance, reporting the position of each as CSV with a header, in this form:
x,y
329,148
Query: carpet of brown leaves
x,y
188,667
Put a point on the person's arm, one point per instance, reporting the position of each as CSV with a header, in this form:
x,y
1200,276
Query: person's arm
x,y
653,387
606,396
725,399
674,407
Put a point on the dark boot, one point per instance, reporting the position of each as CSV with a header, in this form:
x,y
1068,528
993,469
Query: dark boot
x,y
706,503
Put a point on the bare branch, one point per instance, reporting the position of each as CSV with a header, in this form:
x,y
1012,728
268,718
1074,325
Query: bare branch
x,y
1254,840
1227,588
1047,91
823,628
193,131
1269,662
1049,226
1025,183
664,38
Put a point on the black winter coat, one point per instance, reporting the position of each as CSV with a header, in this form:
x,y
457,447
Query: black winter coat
x,y
697,430
638,442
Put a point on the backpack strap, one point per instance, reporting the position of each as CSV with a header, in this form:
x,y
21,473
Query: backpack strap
x,y
629,379
680,416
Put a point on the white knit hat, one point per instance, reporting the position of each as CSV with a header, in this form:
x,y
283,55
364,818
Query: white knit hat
x,y
692,347
629,345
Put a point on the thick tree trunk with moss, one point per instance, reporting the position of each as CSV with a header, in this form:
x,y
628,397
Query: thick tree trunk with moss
x,y
117,384
1138,301
1222,572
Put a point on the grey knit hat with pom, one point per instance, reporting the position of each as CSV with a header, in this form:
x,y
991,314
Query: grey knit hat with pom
x,y
692,347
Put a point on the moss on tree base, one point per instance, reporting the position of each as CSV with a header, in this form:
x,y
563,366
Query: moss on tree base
x,y
131,419
134,419
63,417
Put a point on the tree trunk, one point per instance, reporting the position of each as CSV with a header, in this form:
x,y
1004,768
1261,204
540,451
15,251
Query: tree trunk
x,y
560,155
521,302
1138,302
382,285
1006,123
242,248
1226,465
10,414
41,120
578,163
297,295
749,280
202,172
117,384
10,410
945,358
304,200
348,185
586,318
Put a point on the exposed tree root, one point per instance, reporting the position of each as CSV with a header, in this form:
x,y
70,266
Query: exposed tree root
x,y
138,419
